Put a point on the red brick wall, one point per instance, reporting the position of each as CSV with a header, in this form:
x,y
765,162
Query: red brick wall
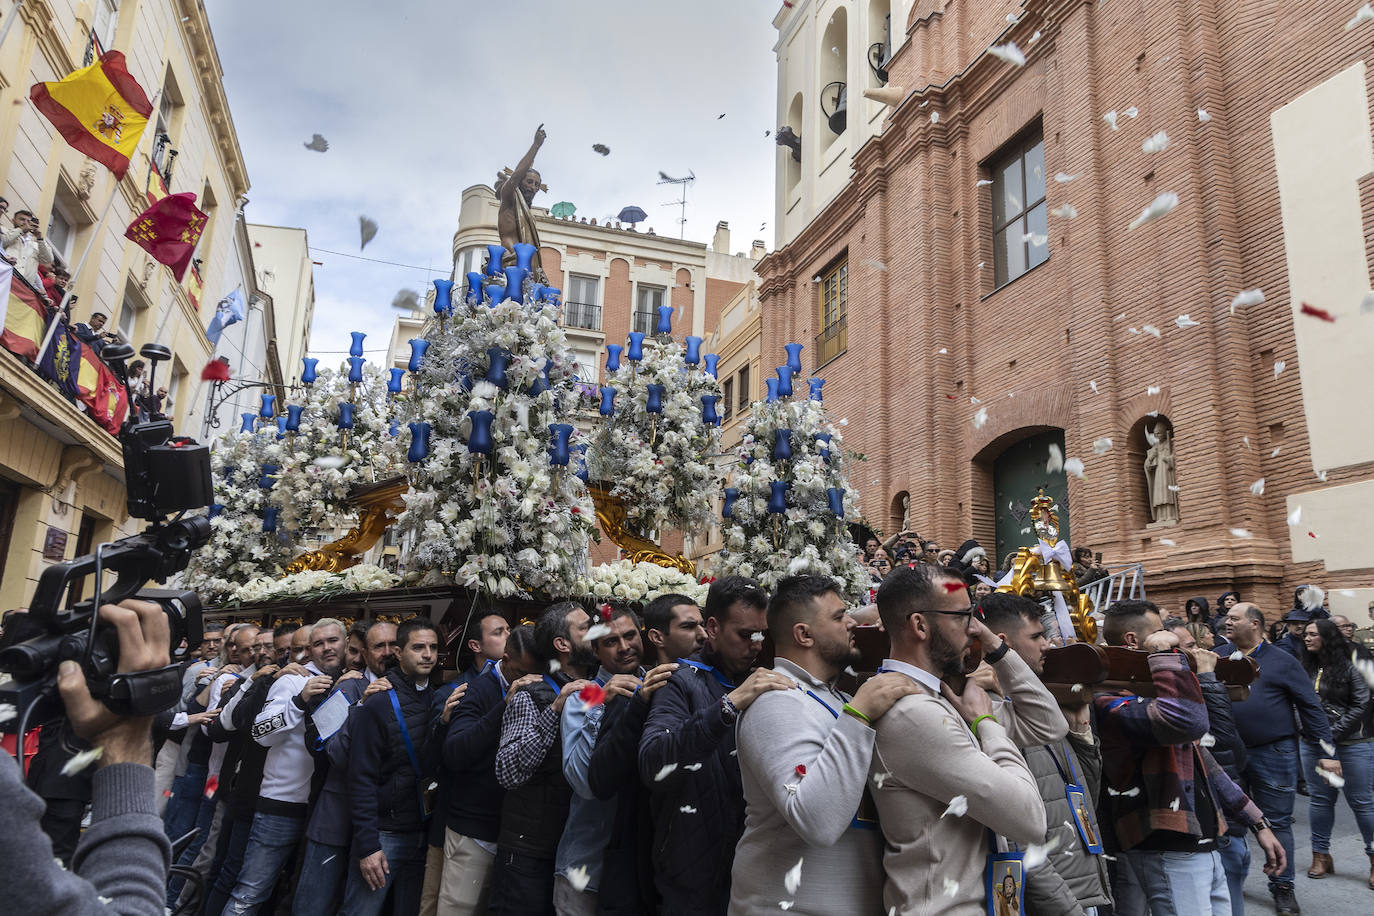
x,y
718,295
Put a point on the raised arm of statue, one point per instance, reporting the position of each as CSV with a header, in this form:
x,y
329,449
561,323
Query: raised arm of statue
x,y
523,166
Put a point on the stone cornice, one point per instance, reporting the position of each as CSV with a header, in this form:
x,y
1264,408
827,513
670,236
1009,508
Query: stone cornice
x,y
195,24
39,17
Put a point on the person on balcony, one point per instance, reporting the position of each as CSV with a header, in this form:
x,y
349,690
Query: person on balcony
x,y
25,247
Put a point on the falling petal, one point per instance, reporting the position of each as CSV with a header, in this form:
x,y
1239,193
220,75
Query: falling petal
x,y
1074,466
81,761
983,182
980,418
406,300
1186,321
1152,390
974,401
876,265
1102,445
786,904
1131,112
943,351
1093,386
1056,459
1362,15
1312,597
1160,206
1065,211
1295,517
958,806
1279,366
1207,740
1173,805
1249,297
1331,778
597,631
1110,118
1012,18
1321,475
951,887
687,809
367,229
935,117
792,880
662,774
1034,38
1037,855
1155,143
1328,748
692,767
1150,329
1203,116
1315,312
879,779
1064,177
1257,487
982,264
757,637
1168,542
578,878
1008,52
1241,533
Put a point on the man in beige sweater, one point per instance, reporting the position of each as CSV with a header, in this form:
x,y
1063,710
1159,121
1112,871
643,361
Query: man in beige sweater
x,y
944,770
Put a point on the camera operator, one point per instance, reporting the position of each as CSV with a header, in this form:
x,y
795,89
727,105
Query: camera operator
x,y
122,859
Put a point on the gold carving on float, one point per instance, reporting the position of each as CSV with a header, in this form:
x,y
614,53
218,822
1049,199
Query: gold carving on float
x,y
378,508
1031,576
610,512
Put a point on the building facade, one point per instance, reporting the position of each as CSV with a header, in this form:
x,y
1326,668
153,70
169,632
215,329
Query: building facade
x,y
61,475
285,272
984,285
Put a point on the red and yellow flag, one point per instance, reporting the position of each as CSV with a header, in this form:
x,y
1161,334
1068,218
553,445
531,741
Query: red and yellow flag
x,y
169,230
25,319
101,110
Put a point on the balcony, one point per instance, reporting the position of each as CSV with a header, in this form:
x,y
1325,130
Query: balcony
x,y
831,342
644,322
582,315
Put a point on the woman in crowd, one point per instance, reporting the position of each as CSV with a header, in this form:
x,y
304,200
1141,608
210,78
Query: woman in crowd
x,y
1345,696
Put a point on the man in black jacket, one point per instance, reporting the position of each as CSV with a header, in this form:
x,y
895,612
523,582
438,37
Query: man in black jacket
x,y
391,764
472,817
686,755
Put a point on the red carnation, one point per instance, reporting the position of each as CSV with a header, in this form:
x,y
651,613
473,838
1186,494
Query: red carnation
x,y
801,769
216,370
211,785
606,612
1315,312
592,695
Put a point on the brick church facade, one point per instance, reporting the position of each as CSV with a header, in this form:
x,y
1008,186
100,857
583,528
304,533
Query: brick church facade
x,y
965,318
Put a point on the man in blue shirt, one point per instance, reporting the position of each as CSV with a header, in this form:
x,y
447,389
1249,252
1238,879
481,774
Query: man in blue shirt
x,y
1265,723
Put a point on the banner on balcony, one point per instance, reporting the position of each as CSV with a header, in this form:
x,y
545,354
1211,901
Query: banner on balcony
x,y
157,188
24,317
101,392
61,360
169,231
100,110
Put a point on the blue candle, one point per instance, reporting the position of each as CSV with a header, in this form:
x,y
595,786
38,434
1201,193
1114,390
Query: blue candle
x,y
269,519
474,293
268,407
524,256
551,294
497,360
538,292
815,385
636,350
784,382
248,420
215,509
355,369
419,442
393,384
782,444
835,496
515,283
728,510
496,295
541,381
823,445
693,354
777,497
346,415
479,440
418,346
665,320
391,430
443,300
495,254
772,386
267,479
582,474
654,403
709,416
356,348
794,357
308,374
607,401
281,427
613,357
293,417
558,447
711,359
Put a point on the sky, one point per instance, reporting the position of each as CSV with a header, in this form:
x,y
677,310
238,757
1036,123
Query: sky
x,y
420,99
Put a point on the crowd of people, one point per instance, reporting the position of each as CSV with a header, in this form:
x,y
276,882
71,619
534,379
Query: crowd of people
x,y
602,762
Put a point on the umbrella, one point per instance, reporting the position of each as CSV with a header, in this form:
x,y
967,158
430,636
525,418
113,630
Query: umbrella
x,y
632,215
563,209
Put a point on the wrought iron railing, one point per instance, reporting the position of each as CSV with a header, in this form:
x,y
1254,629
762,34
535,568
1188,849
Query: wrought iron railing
x,y
644,322
582,315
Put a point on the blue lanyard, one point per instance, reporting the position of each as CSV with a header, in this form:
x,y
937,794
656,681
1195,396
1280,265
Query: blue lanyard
x,y
553,685
828,707
500,682
410,750
702,666
1072,775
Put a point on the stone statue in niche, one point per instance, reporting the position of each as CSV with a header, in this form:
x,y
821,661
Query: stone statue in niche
x,y
85,181
906,512
1159,474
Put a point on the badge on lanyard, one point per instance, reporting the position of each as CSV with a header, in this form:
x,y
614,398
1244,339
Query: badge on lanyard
x,y
1006,884
1078,802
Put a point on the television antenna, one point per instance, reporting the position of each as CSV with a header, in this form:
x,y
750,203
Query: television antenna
x,y
665,178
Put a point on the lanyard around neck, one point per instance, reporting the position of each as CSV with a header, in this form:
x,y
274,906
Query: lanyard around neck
x,y
702,666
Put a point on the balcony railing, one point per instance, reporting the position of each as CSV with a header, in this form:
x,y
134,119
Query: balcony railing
x,y
644,322
582,315
831,342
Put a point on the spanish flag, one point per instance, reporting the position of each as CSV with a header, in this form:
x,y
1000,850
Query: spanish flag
x,y
24,317
100,110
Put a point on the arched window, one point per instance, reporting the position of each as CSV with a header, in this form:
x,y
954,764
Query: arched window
x,y
879,41
833,71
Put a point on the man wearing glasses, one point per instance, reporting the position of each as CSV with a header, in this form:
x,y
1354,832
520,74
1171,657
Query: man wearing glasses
x,y
944,770
1359,648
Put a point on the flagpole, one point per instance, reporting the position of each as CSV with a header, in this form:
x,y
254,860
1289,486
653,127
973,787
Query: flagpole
x,y
95,237
248,314
9,20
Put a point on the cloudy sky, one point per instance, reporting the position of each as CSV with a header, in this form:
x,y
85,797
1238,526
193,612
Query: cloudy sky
x,y
422,98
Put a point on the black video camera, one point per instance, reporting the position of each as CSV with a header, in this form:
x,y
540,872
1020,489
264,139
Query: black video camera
x,y
165,475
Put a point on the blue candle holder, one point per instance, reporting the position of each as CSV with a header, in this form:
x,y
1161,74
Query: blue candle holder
x,y
654,401
475,284
418,346
711,359
728,509
269,519
393,384
515,283
692,356
268,407
777,497
356,347
479,439
497,361
538,292
665,320
814,384
823,445
495,254
793,357
613,352
835,496
281,427
267,478
496,295
635,352
346,410
558,447
391,430
772,386
308,374
582,473
293,417
443,299
355,369
607,401
215,509
419,442
784,381
249,419
552,294
782,445
524,256
709,416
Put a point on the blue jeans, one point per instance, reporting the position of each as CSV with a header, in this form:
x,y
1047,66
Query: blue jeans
x,y
270,843
205,816
1181,883
1357,766
183,808
233,840
1272,772
405,859
1235,861
323,870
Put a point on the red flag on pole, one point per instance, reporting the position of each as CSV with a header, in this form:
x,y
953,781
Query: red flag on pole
x,y
169,230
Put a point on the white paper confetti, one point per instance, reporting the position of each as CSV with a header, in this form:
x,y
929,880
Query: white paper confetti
x,y
1331,778
1207,740
1065,211
1279,366
1362,15
1155,143
1160,206
1008,52
1257,487
691,767
81,761
1173,805
1295,517
578,878
1064,177
1203,116
792,880
1074,466
1150,329
1056,459
662,774
596,631
1152,390
1093,386
1132,792
951,887
1248,297
1168,542
1328,748
980,418
1110,117
958,806
687,809
1236,656
1131,112
1186,321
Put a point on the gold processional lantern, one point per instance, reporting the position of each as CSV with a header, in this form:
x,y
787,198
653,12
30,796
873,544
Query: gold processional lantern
x,y
1044,569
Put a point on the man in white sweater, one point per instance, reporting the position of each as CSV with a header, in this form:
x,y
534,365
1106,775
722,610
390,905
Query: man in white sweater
x,y
811,844
945,772
26,248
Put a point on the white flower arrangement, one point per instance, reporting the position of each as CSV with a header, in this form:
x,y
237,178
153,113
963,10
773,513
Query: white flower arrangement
x,y
806,537
509,522
638,583
314,585
656,463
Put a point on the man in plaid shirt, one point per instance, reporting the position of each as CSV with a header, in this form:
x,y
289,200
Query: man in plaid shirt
x,y
1167,797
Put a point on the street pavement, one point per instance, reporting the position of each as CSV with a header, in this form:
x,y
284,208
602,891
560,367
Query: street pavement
x,y
1345,892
